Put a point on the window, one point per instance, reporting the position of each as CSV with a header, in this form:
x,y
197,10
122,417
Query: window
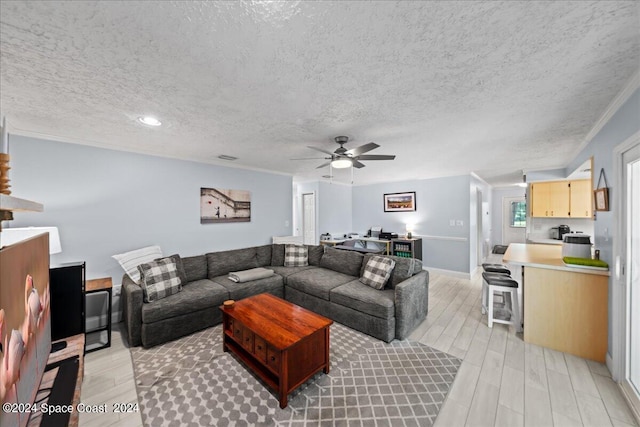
x,y
518,214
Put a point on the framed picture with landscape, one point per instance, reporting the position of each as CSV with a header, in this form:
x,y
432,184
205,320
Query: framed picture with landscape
x,y
400,202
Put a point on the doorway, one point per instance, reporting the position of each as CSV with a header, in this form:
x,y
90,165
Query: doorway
x,y
514,223
309,218
626,280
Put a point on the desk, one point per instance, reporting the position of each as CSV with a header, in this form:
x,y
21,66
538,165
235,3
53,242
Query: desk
x,y
362,240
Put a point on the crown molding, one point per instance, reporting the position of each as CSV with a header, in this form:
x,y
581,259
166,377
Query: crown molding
x,y
614,106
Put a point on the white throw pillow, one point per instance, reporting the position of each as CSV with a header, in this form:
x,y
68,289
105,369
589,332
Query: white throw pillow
x,y
130,261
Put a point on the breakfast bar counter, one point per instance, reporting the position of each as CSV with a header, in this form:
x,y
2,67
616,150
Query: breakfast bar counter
x,y
565,308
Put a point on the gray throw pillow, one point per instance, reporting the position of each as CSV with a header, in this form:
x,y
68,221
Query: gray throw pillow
x,y
377,271
159,279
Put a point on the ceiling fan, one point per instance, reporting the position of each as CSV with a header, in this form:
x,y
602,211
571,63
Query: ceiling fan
x,y
343,158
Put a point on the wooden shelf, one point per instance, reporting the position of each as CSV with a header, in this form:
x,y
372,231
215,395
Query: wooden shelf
x,y
15,204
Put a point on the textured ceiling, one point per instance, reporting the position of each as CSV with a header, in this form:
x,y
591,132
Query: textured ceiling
x,y
449,87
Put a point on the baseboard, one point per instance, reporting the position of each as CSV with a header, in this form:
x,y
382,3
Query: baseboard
x,y
627,395
609,362
458,274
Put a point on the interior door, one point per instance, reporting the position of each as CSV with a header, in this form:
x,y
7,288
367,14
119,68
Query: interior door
x,y
514,225
309,219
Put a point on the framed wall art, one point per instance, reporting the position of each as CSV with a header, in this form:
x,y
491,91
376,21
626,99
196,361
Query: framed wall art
x,y
400,202
217,205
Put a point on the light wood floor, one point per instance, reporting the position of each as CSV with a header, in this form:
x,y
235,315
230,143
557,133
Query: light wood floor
x,y
502,380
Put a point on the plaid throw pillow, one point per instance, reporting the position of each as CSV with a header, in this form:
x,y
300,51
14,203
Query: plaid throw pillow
x,y
377,271
296,256
159,279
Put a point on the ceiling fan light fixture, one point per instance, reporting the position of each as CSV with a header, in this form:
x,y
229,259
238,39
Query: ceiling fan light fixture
x,y
341,163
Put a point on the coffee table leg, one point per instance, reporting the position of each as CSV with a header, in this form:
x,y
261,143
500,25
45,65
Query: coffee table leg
x,y
284,376
327,365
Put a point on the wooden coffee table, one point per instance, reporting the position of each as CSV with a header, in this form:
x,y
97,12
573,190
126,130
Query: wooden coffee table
x,y
284,344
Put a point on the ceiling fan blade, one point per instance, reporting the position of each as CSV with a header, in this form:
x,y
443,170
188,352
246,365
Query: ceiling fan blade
x,y
321,150
355,152
309,158
323,165
357,164
376,157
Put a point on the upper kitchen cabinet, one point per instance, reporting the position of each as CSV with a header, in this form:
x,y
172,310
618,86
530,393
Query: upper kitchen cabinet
x,y
550,199
561,199
581,199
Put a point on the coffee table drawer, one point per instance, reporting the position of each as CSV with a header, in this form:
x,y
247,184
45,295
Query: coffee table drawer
x,y
236,330
260,349
247,340
273,359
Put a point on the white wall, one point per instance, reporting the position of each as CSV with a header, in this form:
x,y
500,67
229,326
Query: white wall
x,y
479,229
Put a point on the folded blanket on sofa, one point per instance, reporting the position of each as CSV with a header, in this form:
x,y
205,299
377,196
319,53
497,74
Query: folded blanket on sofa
x,y
249,275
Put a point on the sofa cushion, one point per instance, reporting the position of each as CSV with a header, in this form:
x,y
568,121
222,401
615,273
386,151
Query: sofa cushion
x,y
346,262
377,271
365,299
288,271
263,255
296,256
221,263
277,255
159,279
404,268
318,281
130,261
199,295
237,291
315,254
179,267
195,267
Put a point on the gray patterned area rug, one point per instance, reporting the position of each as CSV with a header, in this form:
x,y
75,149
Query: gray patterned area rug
x,y
192,382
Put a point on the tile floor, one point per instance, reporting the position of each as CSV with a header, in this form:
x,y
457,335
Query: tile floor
x,y
502,381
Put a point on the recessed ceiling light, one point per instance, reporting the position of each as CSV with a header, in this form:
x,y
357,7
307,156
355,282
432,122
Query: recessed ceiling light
x,y
150,121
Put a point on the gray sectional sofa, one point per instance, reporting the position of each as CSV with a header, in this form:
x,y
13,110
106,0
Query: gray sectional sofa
x,y
329,285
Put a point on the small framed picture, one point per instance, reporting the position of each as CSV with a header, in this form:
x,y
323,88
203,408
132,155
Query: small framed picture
x,y
601,196
400,202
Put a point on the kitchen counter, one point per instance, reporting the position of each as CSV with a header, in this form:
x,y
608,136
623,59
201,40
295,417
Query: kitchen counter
x,y
564,308
544,256
542,241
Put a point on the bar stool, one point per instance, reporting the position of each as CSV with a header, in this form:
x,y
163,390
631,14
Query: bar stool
x,y
509,288
496,268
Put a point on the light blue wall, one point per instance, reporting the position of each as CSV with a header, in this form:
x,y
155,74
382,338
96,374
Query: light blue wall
x,y
438,201
546,175
334,208
624,123
106,202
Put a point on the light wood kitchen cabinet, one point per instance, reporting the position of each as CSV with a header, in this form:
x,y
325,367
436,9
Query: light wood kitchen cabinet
x,y
581,199
561,199
550,199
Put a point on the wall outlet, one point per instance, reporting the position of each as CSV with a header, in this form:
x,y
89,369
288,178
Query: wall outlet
x,y
452,222
286,223
459,223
